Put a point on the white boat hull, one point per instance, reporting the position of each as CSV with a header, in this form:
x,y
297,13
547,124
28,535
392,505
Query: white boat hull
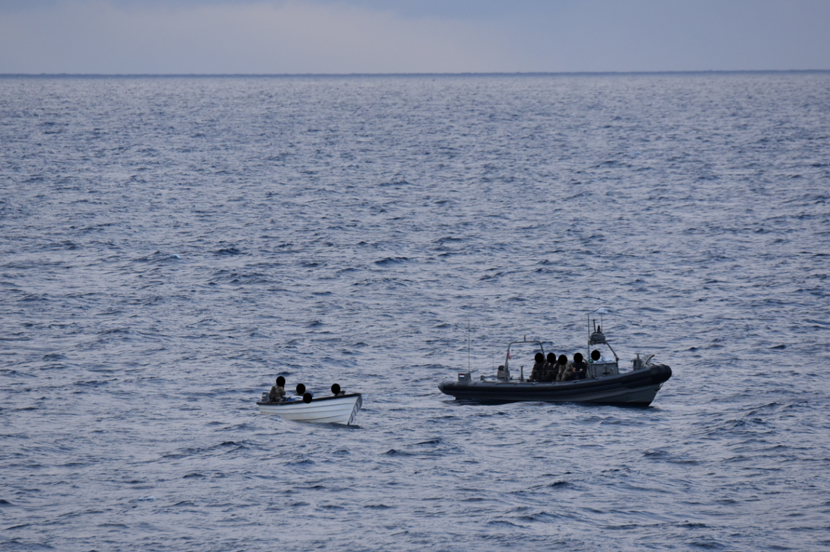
x,y
325,410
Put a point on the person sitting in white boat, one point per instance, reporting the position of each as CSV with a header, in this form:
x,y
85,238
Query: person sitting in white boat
x,y
538,367
580,369
336,391
277,391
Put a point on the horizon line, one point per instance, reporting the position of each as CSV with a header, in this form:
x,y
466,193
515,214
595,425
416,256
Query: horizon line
x,y
414,74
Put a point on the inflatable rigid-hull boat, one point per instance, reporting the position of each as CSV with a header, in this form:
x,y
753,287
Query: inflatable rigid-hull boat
x,y
635,388
599,380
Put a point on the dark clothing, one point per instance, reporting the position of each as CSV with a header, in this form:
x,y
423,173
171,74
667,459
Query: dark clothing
x,y
277,393
538,372
580,370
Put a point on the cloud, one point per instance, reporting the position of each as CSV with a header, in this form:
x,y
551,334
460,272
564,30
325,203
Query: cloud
x,y
464,9
681,35
104,37
410,36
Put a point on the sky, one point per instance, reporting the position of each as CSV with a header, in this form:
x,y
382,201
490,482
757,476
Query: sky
x,y
411,36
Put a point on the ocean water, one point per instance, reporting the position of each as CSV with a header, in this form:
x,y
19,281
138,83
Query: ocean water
x,y
168,246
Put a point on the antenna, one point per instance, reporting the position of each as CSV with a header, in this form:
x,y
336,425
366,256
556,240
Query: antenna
x,y
468,344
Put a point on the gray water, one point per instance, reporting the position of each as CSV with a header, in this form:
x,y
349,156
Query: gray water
x,y
168,246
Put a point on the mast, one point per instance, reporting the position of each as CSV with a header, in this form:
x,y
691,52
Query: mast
x,y
468,344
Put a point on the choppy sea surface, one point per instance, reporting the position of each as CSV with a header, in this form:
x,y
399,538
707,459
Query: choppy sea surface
x,y
168,246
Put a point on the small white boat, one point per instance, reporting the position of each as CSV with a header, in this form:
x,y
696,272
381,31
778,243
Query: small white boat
x,y
337,409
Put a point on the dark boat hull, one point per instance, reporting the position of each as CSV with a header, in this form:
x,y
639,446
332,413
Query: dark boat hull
x,y
636,388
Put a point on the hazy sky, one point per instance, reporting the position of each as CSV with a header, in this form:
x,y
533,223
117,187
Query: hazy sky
x,y
411,36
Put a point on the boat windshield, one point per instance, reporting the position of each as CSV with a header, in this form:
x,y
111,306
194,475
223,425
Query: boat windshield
x,y
519,359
